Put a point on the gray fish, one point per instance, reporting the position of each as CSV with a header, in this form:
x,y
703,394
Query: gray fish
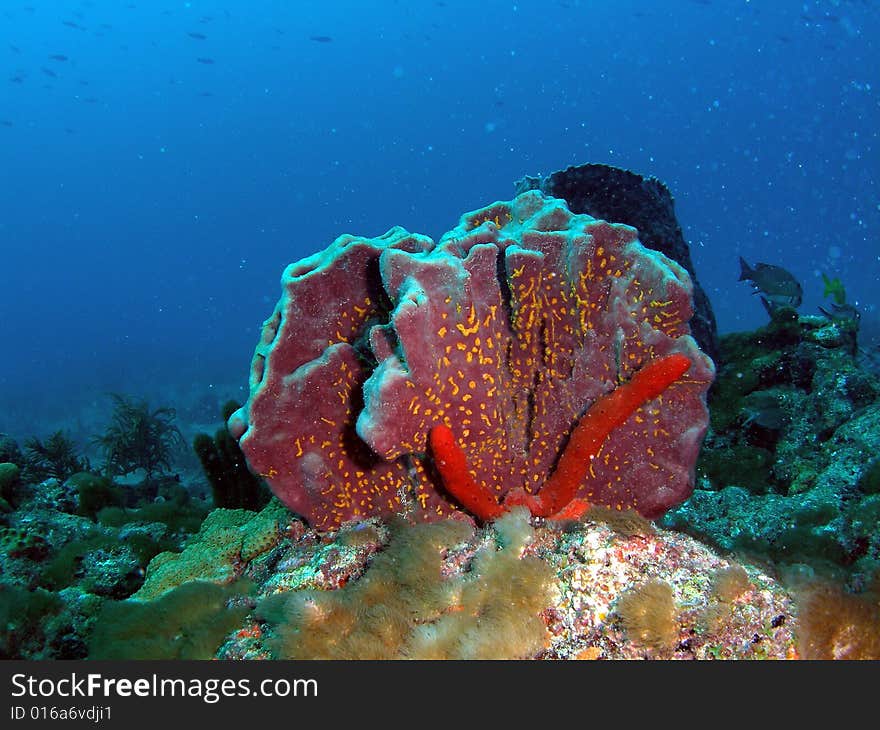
x,y
772,419
775,285
765,409
842,312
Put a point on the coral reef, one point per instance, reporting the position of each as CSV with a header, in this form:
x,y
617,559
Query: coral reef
x,y
508,589
265,585
533,369
409,605
512,588
59,565
524,311
189,622
784,472
226,542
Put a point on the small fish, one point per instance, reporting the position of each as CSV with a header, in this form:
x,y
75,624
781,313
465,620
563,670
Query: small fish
x,y
765,409
321,38
842,313
773,418
58,57
71,24
834,288
207,61
197,36
775,285
5,122
49,72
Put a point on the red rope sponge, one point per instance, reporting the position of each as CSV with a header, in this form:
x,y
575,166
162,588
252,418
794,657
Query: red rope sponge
x,y
606,414
557,496
453,467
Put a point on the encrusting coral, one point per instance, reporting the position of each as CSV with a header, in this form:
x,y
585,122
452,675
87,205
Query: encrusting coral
x,y
188,622
228,540
519,324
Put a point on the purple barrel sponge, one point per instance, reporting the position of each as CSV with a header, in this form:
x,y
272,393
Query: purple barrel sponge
x,y
297,427
506,331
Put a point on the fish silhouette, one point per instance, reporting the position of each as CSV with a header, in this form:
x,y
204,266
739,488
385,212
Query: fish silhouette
x,y
775,285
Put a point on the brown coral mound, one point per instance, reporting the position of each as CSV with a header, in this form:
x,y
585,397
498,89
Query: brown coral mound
x,y
411,604
833,624
728,584
648,615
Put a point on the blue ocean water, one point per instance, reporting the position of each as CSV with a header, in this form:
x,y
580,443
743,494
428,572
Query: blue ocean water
x,y
163,161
